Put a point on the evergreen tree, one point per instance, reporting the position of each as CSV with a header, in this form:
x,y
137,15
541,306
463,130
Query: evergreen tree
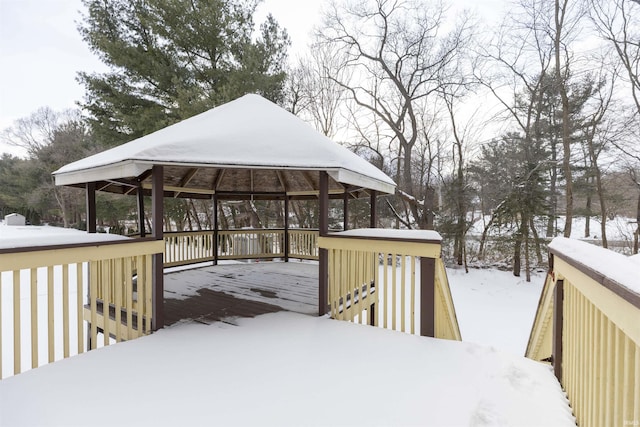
x,y
172,59
513,176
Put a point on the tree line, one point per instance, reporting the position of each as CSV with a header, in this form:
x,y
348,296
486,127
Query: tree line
x,y
521,126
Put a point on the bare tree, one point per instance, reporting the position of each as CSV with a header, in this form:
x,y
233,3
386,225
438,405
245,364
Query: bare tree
x,y
562,62
321,98
399,55
618,22
38,129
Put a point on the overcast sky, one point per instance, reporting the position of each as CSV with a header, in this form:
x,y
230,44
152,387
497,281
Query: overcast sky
x,y
41,50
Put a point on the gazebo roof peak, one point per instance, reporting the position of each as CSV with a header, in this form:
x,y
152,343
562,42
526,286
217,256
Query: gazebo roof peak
x,y
249,133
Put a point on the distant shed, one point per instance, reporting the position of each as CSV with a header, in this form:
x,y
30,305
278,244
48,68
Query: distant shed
x,y
14,219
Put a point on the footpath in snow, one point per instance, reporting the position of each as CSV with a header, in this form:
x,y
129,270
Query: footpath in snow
x,y
286,369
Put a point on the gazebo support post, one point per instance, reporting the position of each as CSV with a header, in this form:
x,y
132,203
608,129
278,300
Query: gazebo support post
x,y
215,229
157,196
91,206
345,208
323,255
373,215
286,228
140,196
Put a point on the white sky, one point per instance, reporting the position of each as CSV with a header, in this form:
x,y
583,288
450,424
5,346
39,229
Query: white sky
x,y
41,50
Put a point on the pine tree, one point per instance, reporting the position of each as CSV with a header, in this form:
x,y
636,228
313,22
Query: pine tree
x,y
172,59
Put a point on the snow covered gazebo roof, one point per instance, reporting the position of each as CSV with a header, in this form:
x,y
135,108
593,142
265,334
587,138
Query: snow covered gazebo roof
x,y
247,146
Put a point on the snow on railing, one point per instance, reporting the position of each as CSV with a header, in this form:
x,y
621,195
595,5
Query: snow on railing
x,y
394,279
43,292
588,326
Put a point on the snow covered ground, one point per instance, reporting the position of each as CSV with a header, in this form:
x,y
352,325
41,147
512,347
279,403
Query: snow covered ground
x,y
494,307
33,235
286,369
292,369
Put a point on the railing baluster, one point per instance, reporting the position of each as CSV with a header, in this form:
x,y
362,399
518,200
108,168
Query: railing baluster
x,y
17,356
93,297
34,319
65,310
148,284
402,293
51,314
128,296
79,306
413,295
118,284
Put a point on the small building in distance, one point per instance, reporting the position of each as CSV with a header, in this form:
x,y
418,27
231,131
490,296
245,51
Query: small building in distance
x,y
14,219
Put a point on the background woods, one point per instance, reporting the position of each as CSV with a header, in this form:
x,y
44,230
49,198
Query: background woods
x,y
499,136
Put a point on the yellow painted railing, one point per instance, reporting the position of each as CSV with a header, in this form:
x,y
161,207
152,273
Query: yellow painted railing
x,y
187,247
245,244
190,247
397,281
588,325
303,244
42,297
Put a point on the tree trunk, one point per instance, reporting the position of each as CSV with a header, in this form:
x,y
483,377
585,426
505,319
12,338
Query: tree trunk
x,y
603,207
536,240
566,133
587,219
194,212
517,254
527,261
551,224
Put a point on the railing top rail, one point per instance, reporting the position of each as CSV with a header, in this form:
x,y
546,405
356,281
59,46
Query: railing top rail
x,y
422,243
423,236
38,256
38,248
235,230
610,269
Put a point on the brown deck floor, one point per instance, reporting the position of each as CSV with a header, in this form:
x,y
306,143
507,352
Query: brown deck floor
x,y
227,291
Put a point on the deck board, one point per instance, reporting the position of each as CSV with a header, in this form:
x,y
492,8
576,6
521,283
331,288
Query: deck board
x,y
227,291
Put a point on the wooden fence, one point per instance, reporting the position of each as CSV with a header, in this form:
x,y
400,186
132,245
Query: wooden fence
x,y
45,288
588,326
397,282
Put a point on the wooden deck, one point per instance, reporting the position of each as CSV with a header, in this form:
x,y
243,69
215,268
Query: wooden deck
x,y
228,291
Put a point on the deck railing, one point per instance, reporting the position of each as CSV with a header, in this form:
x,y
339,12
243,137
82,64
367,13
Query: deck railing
x,y
397,281
190,247
42,297
303,244
187,247
588,326
251,244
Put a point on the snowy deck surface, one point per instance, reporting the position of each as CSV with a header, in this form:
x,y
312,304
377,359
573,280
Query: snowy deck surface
x,y
228,291
285,369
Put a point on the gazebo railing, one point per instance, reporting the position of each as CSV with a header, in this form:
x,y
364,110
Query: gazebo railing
x,y
190,247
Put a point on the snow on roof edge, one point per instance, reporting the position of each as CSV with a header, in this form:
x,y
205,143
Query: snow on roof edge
x,y
134,167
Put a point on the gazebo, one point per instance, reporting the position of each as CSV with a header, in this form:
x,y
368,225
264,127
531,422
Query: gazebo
x,y
247,148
